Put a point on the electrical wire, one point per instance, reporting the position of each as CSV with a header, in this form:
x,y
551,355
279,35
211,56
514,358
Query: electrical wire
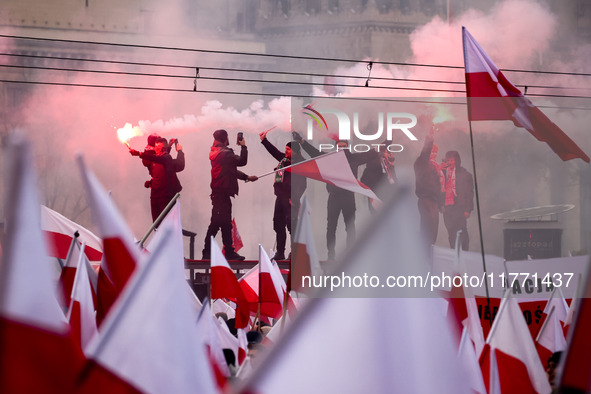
x,y
263,81
250,80
263,94
268,55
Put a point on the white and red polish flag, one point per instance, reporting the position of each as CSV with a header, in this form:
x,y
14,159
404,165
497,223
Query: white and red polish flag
x,y
60,231
208,330
558,302
224,284
292,305
304,260
572,312
467,356
550,339
81,309
121,255
517,361
334,169
472,321
249,282
149,340
576,362
173,220
484,79
38,353
69,273
270,284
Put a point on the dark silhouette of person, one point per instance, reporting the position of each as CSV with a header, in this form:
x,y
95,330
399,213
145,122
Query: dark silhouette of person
x,y
224,185
457,198
164,183
551,366
340,201
380,174
429,183
288,191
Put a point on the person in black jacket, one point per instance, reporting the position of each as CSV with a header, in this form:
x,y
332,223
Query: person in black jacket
x,y
339,200
224,184
458,198
149,149
429,183
288,190
165,183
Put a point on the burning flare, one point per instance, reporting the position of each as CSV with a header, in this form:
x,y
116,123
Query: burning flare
x,y
127,132
441,114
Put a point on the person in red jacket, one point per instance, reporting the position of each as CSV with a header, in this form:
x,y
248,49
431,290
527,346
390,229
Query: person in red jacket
x,y
165,183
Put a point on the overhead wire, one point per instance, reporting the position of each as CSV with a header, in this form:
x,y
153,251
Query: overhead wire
x,y
419,100
277,56
329,83
312,83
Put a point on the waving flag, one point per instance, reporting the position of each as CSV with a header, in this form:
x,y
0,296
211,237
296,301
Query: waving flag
x,y
519,367
69,271
270,284
576,363
550,339
60,232
304,258
334,169
149,340
120,253
38,353
81,310
208,328
484,79
225,285
467,355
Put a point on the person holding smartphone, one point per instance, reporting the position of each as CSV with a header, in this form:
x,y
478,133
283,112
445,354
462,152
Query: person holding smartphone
x,y
164,183
224,185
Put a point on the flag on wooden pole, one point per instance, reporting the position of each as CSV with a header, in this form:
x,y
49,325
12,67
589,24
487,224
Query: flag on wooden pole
x,y
484,79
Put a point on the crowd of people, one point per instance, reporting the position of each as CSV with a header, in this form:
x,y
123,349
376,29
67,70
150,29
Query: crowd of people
x,y
444,188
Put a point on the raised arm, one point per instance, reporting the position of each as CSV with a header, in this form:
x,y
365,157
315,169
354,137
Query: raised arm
x,y
276,153
427,148
241,159
310,149
179,162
